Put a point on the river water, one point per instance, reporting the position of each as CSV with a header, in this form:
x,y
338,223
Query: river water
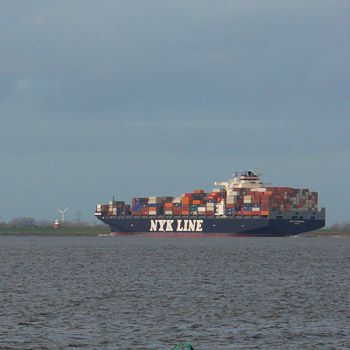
x,y
151,293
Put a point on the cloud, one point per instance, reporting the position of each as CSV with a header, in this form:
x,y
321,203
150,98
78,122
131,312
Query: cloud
x,y
115,59
141,86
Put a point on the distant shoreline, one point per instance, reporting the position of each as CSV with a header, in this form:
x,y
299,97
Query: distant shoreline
x,y
76,230
87,230
328,233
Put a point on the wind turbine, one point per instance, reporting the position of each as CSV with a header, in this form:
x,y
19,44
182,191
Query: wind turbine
x,y
62,212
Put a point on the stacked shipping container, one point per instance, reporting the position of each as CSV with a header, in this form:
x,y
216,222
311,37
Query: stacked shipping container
x,y
245,202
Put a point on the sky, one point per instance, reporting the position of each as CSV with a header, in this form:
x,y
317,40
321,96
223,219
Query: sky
x,y
140,98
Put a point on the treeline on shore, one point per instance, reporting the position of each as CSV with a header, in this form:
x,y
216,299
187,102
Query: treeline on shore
x,y
334,229
30,226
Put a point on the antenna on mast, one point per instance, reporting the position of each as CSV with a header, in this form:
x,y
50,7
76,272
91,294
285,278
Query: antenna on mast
x,y
62,212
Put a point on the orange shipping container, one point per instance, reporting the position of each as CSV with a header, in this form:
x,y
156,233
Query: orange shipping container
x,y
185,200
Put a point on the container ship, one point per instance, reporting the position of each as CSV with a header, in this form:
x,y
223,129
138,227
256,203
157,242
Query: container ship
x,y
241,206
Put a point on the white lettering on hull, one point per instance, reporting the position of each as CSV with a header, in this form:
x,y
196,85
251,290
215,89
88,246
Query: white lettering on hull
x,y
181,226
153,225
161,225
169,225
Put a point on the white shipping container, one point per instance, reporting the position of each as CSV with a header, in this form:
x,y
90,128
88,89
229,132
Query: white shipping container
x,y
155,200
231,199
260,189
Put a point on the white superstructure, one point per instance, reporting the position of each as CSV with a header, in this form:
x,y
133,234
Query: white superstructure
x,y
247,179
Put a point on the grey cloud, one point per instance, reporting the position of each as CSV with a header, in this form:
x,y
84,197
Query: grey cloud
x,y
124,94
94,58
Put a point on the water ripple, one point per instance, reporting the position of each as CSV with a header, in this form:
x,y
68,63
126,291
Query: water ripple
x,y
151,293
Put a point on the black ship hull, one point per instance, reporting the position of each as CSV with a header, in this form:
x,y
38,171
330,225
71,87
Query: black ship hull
x,y
263,227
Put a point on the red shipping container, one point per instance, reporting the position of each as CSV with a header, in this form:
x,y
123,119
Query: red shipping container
x,y
144,211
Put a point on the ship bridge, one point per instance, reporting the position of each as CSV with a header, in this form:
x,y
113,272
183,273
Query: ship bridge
x,y
247,179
